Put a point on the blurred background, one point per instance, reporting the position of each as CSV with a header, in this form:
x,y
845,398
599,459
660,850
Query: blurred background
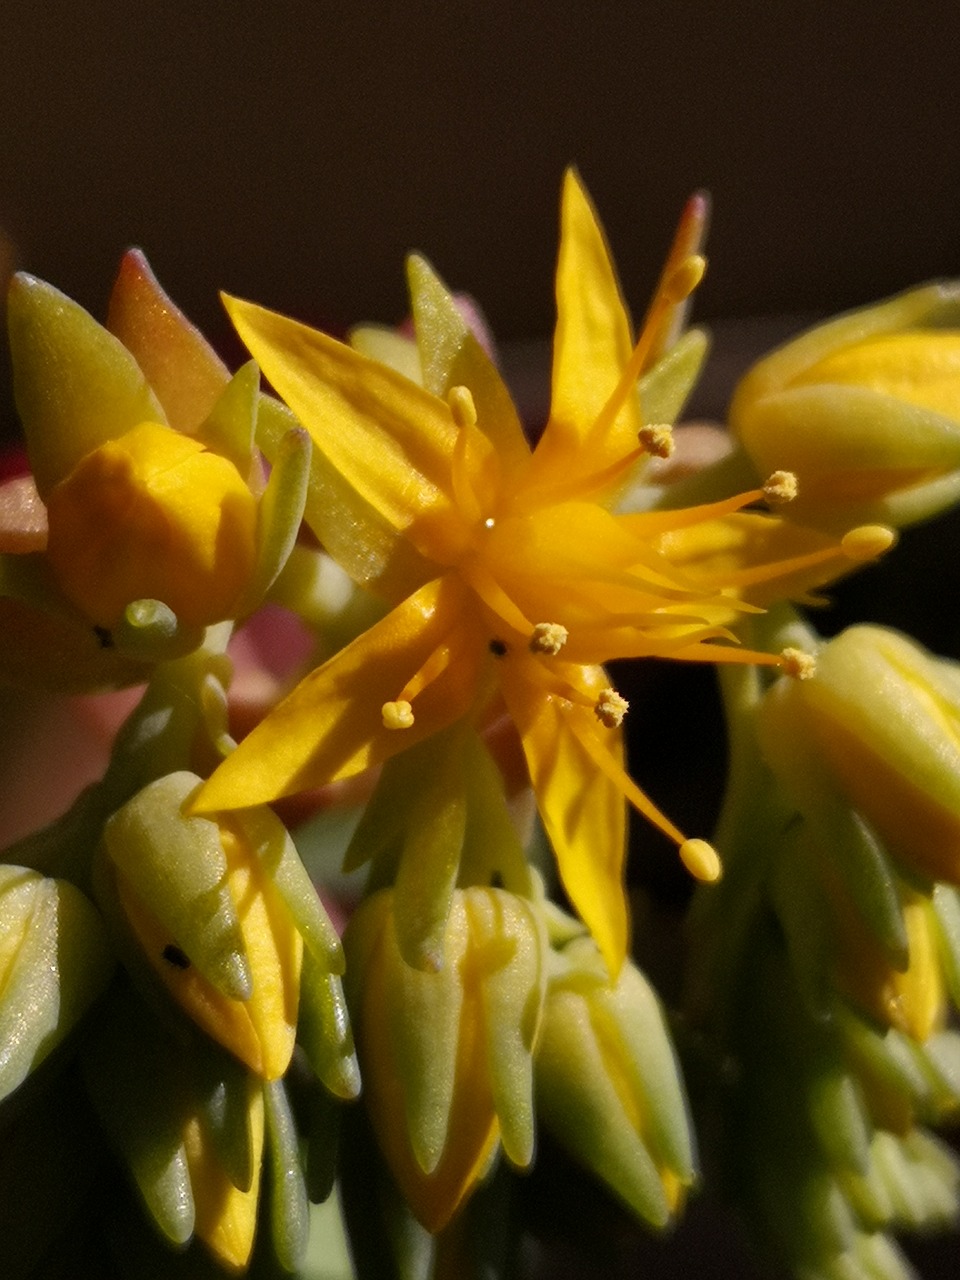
x,y
293,150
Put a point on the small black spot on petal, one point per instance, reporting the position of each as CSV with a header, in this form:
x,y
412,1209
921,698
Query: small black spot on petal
x,y
498,648
104,636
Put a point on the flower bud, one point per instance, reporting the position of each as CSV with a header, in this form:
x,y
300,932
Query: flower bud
x,y
446,1054
608,1084
880,720
152,515
212,917
865,410
54,962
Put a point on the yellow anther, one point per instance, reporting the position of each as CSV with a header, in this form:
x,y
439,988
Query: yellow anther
x,y
685,278
462,408
798,664
701,860
867,542
548,638
397,715
610,708
657,439
781,487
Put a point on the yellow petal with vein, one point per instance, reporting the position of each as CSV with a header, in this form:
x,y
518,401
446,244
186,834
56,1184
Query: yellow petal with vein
x,y
387,437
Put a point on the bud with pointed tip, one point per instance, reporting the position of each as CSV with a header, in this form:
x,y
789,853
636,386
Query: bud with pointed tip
x,y
865,409
608,1084
447,1054
221,912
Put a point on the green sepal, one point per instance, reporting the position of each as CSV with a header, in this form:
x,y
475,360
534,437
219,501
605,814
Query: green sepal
x,y
222,1087
273,845
75,384
390,347
838,1116
804,915
664,389
279,515
323,1144
323,1029
176,867
451,355
946,914
492,852
230,425
133,1075
61,965
353,531
289,1207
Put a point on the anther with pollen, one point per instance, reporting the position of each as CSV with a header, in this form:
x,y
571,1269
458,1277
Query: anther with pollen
x,y
548,638
610,708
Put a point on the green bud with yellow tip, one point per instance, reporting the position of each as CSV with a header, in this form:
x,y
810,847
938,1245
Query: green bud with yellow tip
x,y
447,1053
608,1084
54,963
864,410
219,913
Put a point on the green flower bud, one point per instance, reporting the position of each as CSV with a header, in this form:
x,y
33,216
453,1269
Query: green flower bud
x,y
447,1054
221,913
54,962
882,717
608,1084
864,410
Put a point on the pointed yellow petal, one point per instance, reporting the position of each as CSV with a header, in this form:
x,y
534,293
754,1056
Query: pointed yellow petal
x,y
389,439
582,808
592,341
331,726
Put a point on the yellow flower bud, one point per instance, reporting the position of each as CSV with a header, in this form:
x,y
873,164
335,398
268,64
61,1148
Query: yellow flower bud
x,y
865,410
608,1084
882,716
153,515
446,1054
210,920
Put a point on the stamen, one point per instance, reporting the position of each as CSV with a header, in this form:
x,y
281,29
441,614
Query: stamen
x,y
798,664
610,708
548,638
434,666
657,439
701,860
397,715
781,487
867,542
462,408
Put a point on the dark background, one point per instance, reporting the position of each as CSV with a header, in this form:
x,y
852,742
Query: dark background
x,y
293,150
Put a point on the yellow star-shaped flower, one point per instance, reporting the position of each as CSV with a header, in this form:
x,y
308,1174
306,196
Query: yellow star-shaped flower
x,y
509,574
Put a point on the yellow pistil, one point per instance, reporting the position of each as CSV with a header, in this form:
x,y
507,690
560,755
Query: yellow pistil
x,y
798,664
781,487
657,439
610,708
548,638
397,715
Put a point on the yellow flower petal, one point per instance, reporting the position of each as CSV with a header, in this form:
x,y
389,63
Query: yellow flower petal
x,y
331,726
582,808
389,439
